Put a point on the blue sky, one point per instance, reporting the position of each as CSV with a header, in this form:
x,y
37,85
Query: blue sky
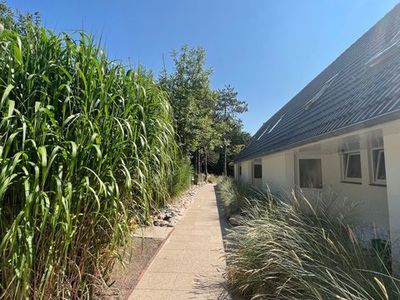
x,y
267,50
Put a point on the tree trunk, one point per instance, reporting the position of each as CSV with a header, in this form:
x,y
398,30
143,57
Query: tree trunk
x,y
206,163
198,162
225,167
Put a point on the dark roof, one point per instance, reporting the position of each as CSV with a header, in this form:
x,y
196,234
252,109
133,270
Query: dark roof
x,y
360,88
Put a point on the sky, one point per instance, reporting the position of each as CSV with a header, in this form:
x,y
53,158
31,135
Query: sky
x,y
267,50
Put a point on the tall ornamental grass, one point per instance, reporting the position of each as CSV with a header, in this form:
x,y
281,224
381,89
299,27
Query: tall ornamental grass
x,y
85,145
279,252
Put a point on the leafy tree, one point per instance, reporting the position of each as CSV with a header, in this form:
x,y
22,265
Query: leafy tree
x,y
6,17
211,140
206,121
227,112
14,20
192,100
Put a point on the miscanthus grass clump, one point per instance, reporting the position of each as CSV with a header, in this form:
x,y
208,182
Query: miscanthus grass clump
x,y
280,252
86,147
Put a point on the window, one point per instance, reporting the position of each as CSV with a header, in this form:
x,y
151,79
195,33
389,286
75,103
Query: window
x,y
240,170
310,173
352,167
257,171
379,168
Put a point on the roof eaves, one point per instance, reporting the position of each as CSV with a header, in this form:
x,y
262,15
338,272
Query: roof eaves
x,y
391,116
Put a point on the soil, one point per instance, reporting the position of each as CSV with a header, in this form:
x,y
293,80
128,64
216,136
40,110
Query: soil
x,y
124,279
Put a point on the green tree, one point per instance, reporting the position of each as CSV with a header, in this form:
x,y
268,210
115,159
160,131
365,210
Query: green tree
x,y
16,21
211,139
6,17
192,100
228,108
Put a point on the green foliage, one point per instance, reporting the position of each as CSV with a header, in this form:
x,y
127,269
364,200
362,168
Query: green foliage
x,y
206,121
227,122
235,196
282,253
84,145
213,179
16,21
190,96
7,16
229,106
182,177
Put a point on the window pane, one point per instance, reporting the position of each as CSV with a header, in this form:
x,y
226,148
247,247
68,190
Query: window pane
x,y
310,173
381,172
257,171
378,157
240,170
353,166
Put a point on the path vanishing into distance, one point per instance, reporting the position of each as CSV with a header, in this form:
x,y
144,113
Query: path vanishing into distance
x,y
191,263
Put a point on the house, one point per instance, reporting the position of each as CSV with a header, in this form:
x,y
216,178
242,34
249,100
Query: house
x,y
341,133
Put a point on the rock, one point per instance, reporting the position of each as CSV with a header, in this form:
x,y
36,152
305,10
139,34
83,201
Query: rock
x,y
161,216
169,215
159,223
236,220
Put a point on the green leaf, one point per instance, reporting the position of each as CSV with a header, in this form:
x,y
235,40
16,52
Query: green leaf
x,y
6,93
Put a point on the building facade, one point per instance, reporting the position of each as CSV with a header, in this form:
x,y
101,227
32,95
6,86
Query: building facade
x,y
338,139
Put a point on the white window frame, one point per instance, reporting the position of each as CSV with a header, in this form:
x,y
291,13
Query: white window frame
x,y
373,170
345,164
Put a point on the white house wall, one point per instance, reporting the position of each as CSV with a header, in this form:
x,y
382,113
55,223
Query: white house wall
x,y
277,171
246,176
371,209
391,136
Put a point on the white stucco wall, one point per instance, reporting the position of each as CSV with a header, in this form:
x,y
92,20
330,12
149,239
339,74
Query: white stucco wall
x,y
278,171
376,210
246,176
369,201
391,137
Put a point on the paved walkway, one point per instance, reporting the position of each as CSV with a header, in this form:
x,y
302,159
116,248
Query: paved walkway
x,y
191,262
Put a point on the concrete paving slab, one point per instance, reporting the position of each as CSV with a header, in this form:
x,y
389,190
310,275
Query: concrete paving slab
x,y
191,263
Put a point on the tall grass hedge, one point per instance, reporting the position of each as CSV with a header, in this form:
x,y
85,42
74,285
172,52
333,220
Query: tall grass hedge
x,y
86,145
281,252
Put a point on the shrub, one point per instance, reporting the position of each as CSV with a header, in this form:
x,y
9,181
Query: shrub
x,y
282,253
182,177
235,196
211,178
199,178
85,144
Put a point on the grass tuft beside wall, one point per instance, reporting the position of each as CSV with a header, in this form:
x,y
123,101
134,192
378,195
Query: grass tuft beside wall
x,y
282,253
85,146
